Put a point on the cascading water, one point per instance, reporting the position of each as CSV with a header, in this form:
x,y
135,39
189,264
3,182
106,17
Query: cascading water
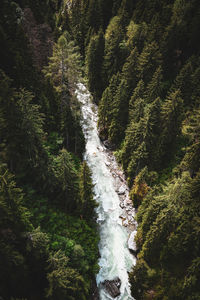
x,y
115,259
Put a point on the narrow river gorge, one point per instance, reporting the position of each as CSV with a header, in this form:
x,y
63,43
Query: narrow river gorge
x,y
115,214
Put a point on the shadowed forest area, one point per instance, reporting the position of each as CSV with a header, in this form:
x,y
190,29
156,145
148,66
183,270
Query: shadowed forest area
x,y
141,63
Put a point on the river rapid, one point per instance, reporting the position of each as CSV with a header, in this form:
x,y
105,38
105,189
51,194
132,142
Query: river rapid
x,y
115,258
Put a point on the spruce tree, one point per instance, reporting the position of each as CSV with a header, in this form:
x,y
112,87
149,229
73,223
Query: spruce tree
x,y
154,88
94,60
106,106
136,35
87,203
64,66
113,56
171,118
137,103
148,61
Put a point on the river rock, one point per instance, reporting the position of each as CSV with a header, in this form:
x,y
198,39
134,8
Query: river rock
x,y
132,243
108,145
121,190
122,204
112,287
123,216
125,223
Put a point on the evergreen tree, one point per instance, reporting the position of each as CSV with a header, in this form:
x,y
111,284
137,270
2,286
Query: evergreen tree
x,y
154,88
148,61
191,130
64,282
136,103
171,117
136,35
106,106
95,14
113,57
129,70
64,66
119,113
141,142
64,73
187,81
76,11
87,203
66,181
94,60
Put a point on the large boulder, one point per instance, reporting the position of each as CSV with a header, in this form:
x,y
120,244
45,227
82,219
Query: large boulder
x,y
112,287
132,244
108,145
95,294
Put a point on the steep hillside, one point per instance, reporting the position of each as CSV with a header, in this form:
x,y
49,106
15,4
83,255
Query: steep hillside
x,y
143,69
48,243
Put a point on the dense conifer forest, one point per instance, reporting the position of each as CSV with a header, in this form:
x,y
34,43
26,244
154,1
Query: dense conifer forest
x,y
141,63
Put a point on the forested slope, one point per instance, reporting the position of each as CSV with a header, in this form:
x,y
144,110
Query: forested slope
x,y
143,70
142,64
48,236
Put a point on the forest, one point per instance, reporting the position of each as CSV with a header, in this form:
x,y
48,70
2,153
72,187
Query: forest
x,y
141,63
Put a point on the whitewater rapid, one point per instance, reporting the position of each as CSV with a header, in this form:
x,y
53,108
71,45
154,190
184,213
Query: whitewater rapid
x,y
115,258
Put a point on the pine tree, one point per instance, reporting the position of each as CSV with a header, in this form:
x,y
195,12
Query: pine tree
x,y
137,103
66,181
191,129
64,282
14,216
154,88
106,106
136,35
113,57
140,188
187,81
148,62
76,11
64,66
129,70
94,60
64,73
141,141
171,117
120,102
87,203
119,113
95,14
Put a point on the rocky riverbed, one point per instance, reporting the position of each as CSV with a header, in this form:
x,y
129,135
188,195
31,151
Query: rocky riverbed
x,y
128,215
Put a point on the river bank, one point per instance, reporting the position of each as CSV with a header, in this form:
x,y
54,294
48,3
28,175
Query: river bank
x,y
128,215
115,214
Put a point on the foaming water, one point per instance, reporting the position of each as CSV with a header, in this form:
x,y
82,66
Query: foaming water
x,y
115,258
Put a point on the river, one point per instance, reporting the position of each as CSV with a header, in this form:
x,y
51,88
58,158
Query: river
x,y
115,258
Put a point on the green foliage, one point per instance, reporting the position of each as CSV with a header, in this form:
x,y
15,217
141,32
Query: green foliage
x,y
149,60
106,106
149,112
168,232
64,282
14,216
67,179
53,253
94,60
146,79
140,188
136,34
87,203
113,52
64,65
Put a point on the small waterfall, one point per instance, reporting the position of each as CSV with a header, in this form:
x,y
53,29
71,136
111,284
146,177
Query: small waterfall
x,y
115,258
